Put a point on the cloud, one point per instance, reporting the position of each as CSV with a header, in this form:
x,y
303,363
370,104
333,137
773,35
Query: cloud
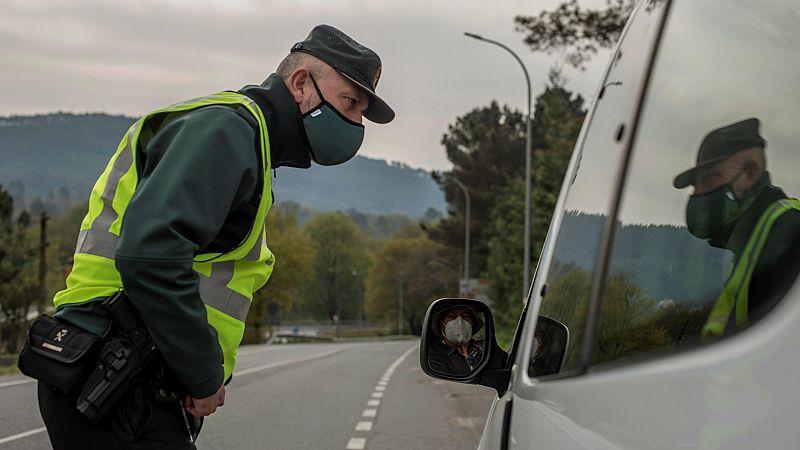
x,y
130,57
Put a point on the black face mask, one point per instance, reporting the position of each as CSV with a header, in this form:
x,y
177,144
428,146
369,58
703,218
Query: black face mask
x,y
333,138
713,215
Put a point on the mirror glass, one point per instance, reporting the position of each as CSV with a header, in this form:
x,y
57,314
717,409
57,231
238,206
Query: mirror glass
x,y
456,342
551,339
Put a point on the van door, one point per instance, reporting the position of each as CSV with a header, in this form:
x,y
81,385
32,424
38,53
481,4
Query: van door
x,y
637,286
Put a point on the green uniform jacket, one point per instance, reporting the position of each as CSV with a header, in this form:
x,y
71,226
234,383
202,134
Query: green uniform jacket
x,y
176,213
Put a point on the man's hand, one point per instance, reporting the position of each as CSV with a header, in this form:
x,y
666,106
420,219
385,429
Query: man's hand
x,y
201,407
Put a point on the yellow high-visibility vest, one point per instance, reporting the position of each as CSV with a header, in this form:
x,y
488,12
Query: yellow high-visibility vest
x,y
735,292
227,280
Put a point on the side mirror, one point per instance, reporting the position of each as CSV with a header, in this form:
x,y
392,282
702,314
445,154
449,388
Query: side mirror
x,y
550,346
458,344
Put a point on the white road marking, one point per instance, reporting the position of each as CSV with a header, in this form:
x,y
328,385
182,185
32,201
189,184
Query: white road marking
x,y
356,443
363,426
21,435
257,350
284,363
467,422
17,382
360,443
399,360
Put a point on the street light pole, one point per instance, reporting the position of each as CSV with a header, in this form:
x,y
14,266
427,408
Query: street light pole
x,y
400,311
466,229
527,248
360,294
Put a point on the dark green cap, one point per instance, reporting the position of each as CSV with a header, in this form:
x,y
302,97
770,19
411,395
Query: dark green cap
x,y
351,59
722,143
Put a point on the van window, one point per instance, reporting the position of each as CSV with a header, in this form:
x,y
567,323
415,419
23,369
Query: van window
x,y
569,275
707,242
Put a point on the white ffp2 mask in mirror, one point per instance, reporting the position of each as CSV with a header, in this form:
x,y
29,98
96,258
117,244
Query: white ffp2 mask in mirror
x,y
458,331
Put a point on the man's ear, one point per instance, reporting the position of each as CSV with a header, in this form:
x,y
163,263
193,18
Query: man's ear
x,y
752,171
298,84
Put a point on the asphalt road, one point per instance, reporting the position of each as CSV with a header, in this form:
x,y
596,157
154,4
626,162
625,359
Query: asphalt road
x,y
310,396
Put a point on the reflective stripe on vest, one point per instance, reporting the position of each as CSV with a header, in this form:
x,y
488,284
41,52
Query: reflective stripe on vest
x,y
226,281
736,290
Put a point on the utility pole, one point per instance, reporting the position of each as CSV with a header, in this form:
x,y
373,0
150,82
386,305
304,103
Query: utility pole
x,y
360,295
400,311
466,235
42,266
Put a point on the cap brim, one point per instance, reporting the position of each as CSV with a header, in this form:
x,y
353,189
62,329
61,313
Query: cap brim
x,y
378,110
684,179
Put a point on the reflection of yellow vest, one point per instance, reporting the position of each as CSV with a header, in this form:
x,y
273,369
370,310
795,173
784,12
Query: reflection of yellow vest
x,y
735,292
226,280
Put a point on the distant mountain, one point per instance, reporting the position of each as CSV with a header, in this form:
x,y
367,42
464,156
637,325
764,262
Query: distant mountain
x,y
665,261
57,157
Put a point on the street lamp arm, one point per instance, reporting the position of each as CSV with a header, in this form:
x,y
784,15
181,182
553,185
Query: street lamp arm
x,y
516,57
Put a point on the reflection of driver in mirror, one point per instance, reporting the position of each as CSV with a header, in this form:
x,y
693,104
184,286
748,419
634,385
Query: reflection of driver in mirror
x,y
455,351
735,206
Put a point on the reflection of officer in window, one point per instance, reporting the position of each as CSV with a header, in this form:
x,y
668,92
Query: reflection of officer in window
x,y
455,352
736,207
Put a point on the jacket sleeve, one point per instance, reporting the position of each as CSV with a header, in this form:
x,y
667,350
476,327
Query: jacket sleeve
x,y
193,173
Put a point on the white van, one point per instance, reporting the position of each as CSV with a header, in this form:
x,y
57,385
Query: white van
x,y
640,332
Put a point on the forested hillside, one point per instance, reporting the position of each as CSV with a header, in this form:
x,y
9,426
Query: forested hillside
x,y
55,158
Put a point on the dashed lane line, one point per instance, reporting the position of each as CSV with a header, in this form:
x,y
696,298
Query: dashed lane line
x,y
365,426
356,443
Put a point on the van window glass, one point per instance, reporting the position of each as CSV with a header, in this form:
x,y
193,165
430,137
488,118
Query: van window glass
x,y
570,273
707,240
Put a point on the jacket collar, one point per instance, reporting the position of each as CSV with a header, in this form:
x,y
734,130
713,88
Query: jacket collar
x,y
287,138
744,227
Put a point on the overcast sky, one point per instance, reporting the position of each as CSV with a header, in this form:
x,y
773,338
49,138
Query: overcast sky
x,y
129,57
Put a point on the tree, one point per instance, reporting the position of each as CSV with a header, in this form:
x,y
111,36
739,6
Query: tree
x,y
568,289
341,250
410,264
559,115
487,148
627,321
580,31
18,288
294,261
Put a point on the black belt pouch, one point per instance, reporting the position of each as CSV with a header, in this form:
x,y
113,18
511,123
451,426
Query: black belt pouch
x,y
58,353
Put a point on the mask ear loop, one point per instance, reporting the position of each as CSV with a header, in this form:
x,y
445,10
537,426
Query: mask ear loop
x,y
319,93
325,102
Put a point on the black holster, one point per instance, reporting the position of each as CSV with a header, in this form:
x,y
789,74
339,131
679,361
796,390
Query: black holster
x,y
123,359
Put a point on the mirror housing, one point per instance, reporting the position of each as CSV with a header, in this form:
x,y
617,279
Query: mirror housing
x,y
489,371
552,341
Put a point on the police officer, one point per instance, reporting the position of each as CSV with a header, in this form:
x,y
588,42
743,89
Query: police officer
x,y
736,207
177,221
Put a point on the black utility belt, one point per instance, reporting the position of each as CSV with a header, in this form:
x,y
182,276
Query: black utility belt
x,y
67,357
